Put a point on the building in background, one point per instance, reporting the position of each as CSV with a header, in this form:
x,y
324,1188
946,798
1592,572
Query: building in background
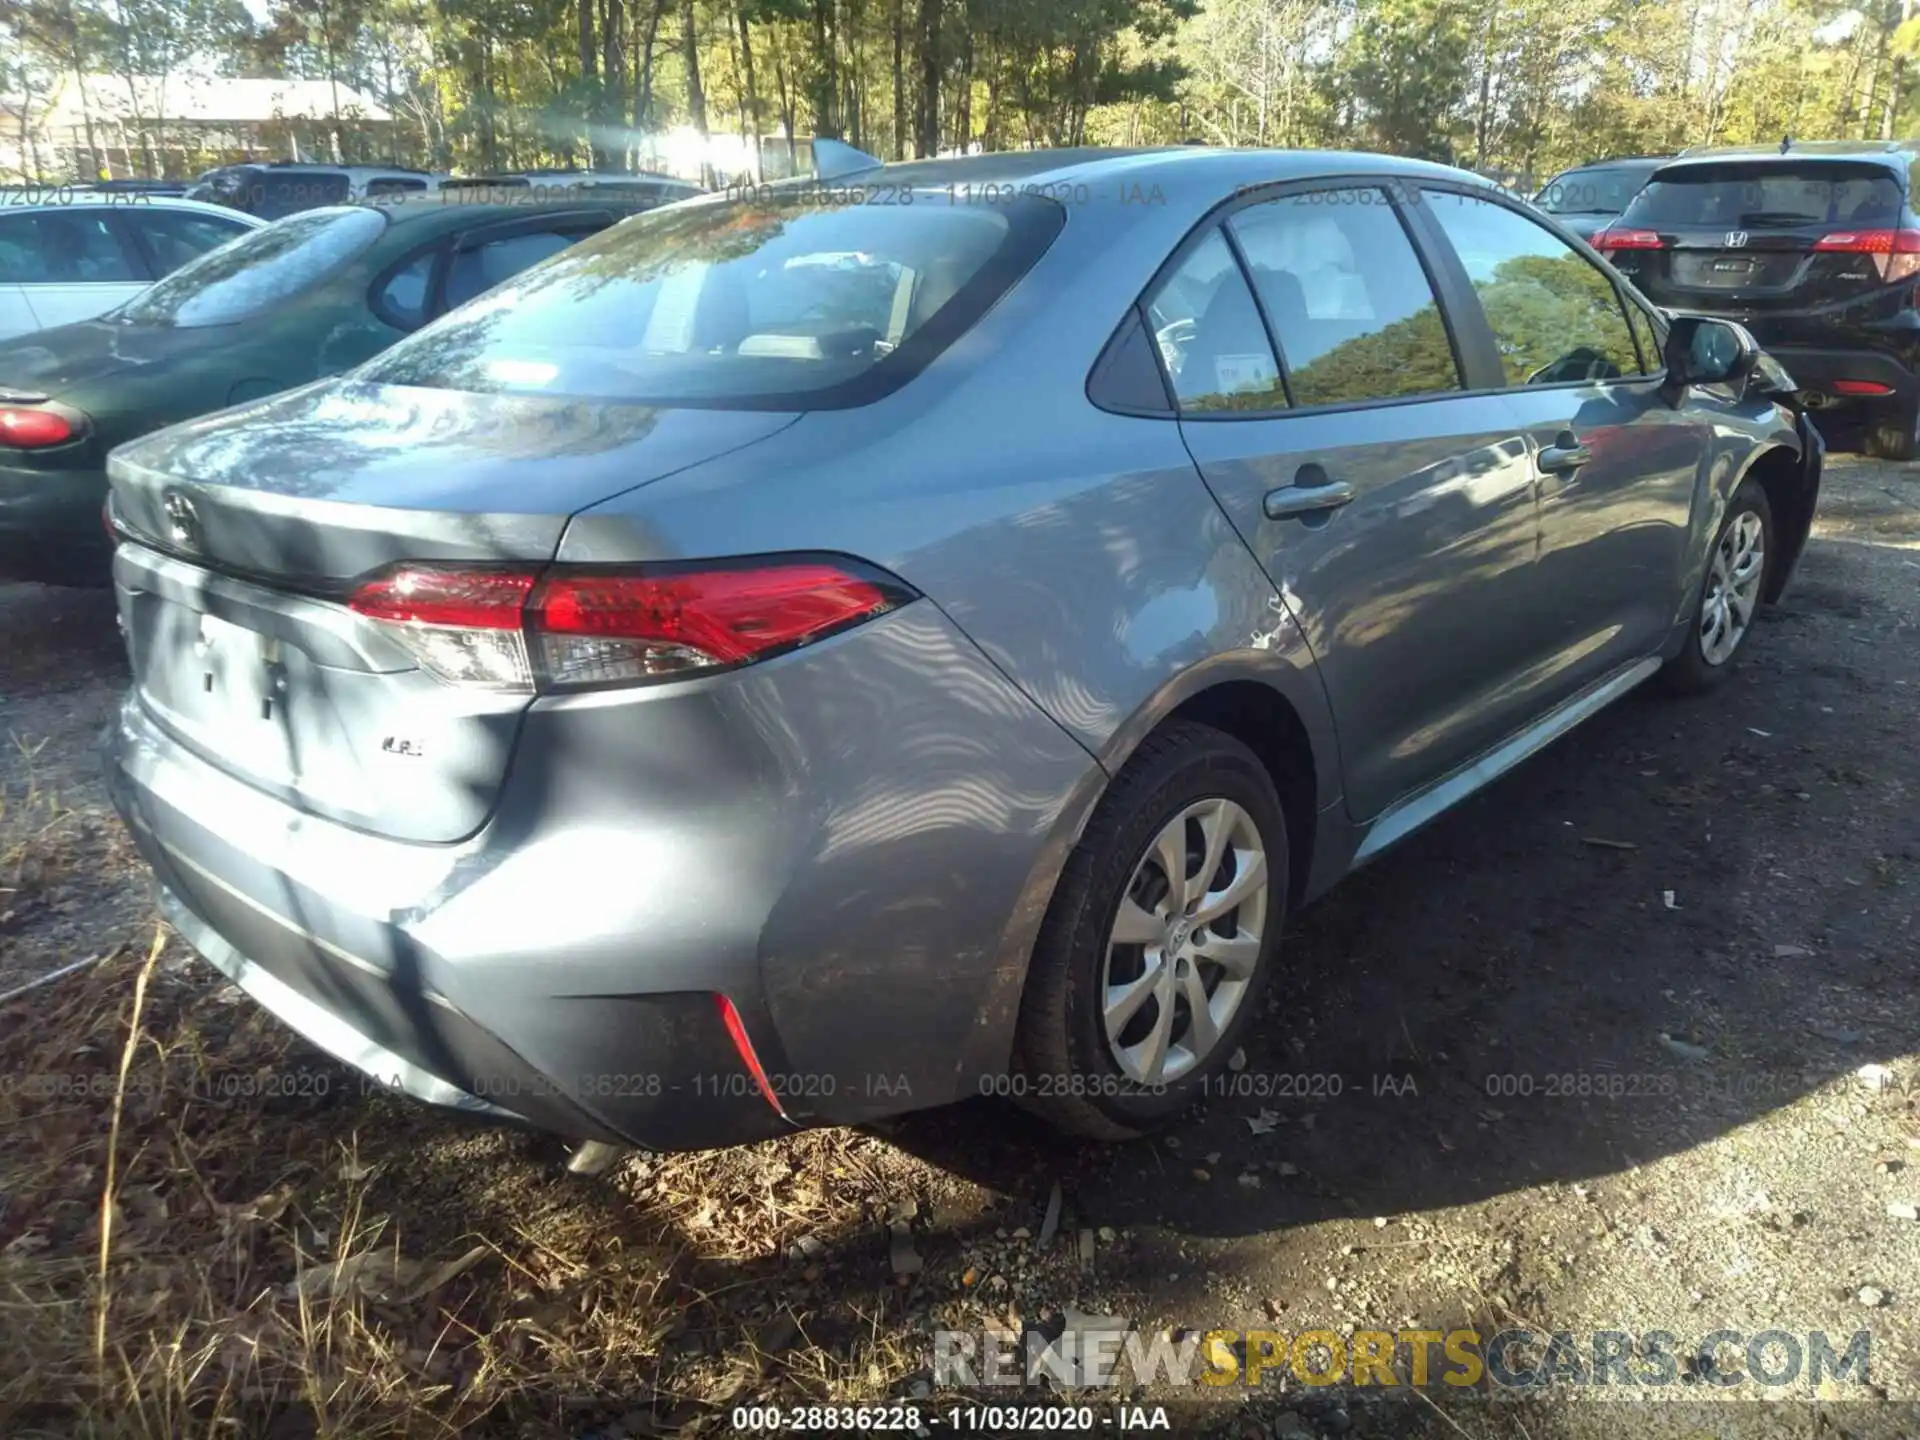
x,y
120,127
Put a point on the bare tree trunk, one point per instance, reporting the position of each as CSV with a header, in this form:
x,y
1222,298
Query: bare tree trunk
x,y
696,98
963,107
897,15
1483,121
643,86
750,111
788,118
927,140
610,103
826,85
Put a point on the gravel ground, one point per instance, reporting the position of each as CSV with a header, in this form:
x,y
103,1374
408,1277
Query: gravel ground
x,y
1626,1043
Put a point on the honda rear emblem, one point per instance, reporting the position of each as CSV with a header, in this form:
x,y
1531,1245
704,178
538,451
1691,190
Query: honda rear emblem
x,y
183,521
1736,238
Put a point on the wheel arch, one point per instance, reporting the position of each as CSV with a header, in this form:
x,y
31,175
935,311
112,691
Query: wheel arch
x,y
1276,708
1780,472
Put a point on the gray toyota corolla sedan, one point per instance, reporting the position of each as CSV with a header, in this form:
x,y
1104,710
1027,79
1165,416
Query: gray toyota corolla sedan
x,y
811,654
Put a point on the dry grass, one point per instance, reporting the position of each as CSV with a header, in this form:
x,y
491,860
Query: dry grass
x,y
208,1229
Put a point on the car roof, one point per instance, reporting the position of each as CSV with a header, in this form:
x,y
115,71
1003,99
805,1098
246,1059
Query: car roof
x,y
309,167
422,209
1191,173
1892,155
1651,162
123,200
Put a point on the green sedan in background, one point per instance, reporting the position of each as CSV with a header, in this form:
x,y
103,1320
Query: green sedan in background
x,y
303,298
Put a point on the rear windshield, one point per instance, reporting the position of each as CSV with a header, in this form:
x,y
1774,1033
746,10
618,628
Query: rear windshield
x,y
1777,195
781,302
261,269
1602,190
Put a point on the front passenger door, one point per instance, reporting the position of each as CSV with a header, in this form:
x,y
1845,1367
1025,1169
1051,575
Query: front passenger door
x,y
1394,513
1617,463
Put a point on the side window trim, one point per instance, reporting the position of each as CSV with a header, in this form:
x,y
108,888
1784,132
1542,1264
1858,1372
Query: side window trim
x,y
1260,307
1440,265
559,222
133,244
1490,355
578,224
1477,352
1656,324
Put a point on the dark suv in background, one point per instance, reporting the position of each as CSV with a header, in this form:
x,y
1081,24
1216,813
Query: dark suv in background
x,y
1814,247
1586,197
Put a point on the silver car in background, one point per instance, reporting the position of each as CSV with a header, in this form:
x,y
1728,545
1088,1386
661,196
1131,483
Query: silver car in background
x,y
841,648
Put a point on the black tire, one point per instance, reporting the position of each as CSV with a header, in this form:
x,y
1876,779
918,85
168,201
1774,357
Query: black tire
x,y
1894,434
1063,1068
1691,672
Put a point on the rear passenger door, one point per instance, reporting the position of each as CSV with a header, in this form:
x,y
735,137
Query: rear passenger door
x,y
1616,463
1321,395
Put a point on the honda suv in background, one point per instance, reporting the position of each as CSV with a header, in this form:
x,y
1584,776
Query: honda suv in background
x,y
1815,248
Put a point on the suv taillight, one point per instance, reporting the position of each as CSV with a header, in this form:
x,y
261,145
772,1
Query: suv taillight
x,y
1896,253
1626,240
575,627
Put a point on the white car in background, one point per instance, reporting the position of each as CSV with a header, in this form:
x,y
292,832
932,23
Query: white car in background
x,y
70,254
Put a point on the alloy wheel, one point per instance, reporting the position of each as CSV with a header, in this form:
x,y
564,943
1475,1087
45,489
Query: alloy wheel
x,y
1733,588
1185,942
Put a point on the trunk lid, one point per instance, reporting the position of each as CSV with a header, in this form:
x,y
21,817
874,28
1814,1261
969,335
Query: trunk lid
x,y
251,528
52,362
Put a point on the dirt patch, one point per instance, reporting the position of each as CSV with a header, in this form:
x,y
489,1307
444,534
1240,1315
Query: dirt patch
x,y
1625,1044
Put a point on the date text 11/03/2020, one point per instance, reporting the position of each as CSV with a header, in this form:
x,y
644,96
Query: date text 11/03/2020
x,y
953,1418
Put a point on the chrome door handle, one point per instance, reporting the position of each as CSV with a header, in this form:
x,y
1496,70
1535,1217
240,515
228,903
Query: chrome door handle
x,y
1296,501
1565,454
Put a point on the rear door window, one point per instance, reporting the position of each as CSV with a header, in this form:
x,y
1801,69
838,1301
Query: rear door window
x,y
478,268
288,194
262,269
1555,315
1769,195
1211,337
1602,190
394,185
1350,305
778,303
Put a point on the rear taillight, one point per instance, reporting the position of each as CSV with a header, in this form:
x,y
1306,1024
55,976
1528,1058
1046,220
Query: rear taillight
x,y
1861,387
1627,240
573,627
27,428
1896,253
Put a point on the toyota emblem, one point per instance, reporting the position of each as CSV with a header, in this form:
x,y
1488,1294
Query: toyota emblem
x,y
183,521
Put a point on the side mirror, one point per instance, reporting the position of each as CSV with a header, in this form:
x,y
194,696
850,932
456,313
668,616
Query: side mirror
x,y
1701,351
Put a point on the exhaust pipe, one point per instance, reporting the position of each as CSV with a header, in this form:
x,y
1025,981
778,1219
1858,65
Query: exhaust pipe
x,y
595,1157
